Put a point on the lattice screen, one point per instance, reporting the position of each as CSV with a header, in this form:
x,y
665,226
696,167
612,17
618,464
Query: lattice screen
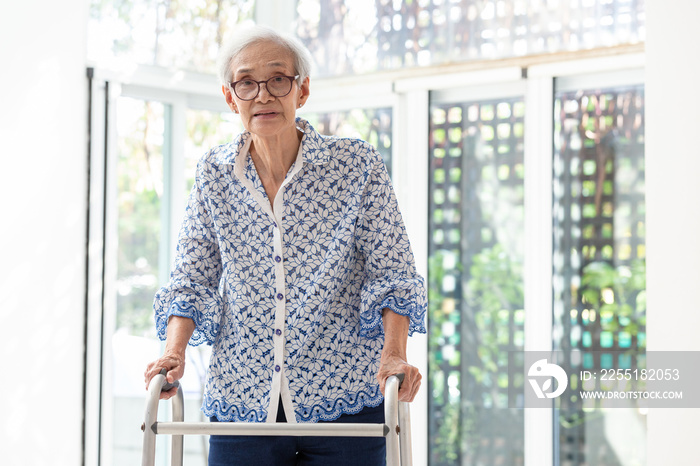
x,y
599,249
475,277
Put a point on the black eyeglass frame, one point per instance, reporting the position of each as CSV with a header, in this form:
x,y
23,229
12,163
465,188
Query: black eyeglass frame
x,y
291,83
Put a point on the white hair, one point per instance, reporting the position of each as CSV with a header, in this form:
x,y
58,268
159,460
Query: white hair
x,y
250,35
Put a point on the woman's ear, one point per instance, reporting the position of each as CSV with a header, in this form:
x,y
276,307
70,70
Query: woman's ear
x,y
305,91
229,98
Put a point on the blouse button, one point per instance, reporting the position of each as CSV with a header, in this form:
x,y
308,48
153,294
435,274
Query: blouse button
x,y
277,368
278,332
280,296
278,259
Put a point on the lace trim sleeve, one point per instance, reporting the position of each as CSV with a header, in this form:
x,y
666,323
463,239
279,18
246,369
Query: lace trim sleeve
x,y
201,304
404,296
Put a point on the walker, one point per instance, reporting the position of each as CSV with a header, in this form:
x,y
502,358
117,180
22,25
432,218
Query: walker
x,y
396,429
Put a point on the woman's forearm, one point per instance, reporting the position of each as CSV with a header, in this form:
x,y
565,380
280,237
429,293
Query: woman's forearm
x,y
180,330
395,333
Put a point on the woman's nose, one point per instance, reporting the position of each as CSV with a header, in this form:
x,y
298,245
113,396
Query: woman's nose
x,y
267,96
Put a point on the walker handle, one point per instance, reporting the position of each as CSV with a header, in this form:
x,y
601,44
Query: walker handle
x,y
167,386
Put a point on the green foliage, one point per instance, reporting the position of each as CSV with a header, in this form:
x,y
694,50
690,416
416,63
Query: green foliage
x,y
140,187
139,233
445,442
617,293
493,293
495,281
445,447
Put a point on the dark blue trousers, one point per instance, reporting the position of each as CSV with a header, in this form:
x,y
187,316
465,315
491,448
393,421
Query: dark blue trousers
x,y
302,451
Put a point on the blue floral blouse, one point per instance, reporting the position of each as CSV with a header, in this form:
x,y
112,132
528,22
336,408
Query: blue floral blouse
x,y
291,298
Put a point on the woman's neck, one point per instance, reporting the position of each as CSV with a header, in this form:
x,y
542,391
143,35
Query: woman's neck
x,y
273,157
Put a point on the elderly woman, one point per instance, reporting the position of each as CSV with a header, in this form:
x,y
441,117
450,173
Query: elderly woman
x,y
293,262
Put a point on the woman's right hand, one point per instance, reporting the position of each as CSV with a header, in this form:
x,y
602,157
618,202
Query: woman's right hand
x,y
174,364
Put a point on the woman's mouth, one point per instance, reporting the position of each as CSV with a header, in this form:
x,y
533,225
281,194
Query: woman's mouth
x,y
265,114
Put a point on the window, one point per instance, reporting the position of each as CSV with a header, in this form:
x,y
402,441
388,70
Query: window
x,y
155,134
352,36
174,35
599,258
475,274
138,187
139,184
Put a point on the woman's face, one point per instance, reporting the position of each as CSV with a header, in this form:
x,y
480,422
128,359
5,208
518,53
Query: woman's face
x,y
266,115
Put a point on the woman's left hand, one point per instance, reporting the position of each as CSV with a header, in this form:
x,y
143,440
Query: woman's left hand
x,y
392,364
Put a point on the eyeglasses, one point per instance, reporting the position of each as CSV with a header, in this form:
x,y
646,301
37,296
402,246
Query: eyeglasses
x,y
277,86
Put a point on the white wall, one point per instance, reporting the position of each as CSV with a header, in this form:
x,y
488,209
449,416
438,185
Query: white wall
x,y
42,231
673,209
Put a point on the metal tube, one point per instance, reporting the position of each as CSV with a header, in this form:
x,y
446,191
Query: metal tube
x,y
151,418
405,434
268,429
391,418
178,407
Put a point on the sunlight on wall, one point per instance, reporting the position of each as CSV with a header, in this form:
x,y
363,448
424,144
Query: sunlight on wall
x,y
43,235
